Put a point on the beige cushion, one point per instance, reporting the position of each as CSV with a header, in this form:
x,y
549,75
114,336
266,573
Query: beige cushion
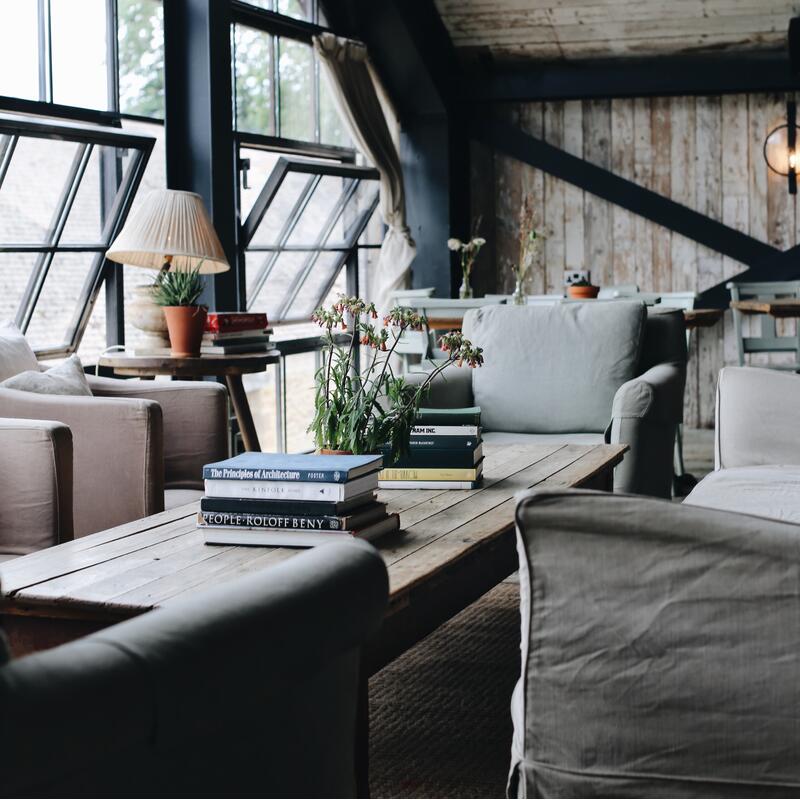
x,y
67,378
15,353
764,491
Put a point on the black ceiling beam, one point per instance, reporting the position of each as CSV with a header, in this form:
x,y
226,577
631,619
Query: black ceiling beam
x,y
633,77
764,261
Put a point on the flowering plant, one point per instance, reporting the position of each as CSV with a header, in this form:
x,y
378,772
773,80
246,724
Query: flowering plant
x,y
361,411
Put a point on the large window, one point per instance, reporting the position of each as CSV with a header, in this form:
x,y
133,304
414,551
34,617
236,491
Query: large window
x,y
65,190
278,86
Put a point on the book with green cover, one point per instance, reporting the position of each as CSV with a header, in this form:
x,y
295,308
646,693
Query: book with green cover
x,y
449,416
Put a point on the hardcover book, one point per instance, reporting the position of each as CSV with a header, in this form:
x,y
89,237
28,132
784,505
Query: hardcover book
x,y
460,431
294,489
298,508
430,474
443,485
449,416
217,321
233,349
301,467
233,519
282,538
430,442
438,457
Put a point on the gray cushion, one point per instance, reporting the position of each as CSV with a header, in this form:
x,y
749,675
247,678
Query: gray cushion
x,y
67,378
504,437
553,369
765,491
15,352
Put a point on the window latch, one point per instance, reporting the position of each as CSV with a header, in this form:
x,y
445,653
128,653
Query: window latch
x,y
244,166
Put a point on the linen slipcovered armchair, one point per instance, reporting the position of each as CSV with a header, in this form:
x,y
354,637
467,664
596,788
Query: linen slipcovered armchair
x,y
579,373
250,689
137,446
660,650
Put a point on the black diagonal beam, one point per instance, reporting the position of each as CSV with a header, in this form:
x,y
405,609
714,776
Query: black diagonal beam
x,y
763,260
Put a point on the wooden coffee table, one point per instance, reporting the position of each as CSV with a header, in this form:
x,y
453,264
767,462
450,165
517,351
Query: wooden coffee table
x,y
453,547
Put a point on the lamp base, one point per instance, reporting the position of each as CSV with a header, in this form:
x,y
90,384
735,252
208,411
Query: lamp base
x,y
148,318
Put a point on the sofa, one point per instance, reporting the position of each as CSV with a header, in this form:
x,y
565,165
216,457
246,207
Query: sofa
x,y
137,446
757,456
661,642
578,373
247,690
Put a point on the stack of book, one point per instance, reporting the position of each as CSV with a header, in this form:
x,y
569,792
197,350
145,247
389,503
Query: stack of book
x,y
230,332
292,500
445,452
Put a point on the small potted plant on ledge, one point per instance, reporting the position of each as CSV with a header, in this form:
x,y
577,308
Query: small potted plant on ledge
x,y
177,291
359,411
468,252
582,290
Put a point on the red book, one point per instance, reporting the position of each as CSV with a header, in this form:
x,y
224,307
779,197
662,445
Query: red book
x,y
230,321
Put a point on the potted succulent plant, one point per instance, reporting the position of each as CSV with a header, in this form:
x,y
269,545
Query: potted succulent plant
x,y
359,411
177,291
582,290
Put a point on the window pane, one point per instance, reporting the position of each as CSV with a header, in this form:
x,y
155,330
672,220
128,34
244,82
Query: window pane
x,y
19,50
353,211
316,213
58,305
331,127
79,53
141,57
253,70
280,208
155,174
281,277
299,9
262,162
15,272
295,68
32,190
313,291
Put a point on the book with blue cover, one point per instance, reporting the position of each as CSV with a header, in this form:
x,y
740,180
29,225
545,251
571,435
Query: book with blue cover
x,y
288,467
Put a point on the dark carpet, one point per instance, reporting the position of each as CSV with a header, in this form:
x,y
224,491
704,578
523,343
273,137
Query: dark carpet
x,y
440,724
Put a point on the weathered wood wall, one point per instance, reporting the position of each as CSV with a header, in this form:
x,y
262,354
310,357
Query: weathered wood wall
x,y
705,152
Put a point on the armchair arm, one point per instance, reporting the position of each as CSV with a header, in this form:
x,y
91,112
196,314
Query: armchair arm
x,y
118,458
450,389
758,411
645,414
249,689
35,485
195,415
660,647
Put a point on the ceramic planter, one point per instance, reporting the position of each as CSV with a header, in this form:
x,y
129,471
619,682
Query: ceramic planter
x,y
582,292
185,325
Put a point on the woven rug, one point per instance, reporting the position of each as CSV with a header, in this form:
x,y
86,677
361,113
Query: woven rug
x,y
440,724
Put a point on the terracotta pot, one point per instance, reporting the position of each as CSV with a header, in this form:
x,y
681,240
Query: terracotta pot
x,y
185,325
324,451
583,292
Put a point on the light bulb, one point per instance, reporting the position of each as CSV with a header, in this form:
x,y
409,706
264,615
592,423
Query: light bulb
x,y
792,160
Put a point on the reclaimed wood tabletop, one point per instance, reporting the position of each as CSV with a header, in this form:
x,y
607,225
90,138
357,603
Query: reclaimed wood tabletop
x,y
453,547
779,307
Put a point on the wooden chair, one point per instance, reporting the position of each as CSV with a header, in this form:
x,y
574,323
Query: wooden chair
x,y
769,341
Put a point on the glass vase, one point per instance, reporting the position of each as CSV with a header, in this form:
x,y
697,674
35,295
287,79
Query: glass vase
x,y
518,298
465,290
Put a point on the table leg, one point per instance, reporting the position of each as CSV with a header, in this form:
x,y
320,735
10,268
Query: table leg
x,y
242,410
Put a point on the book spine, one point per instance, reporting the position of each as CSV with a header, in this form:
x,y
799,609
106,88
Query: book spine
x,y
275,490
281,508
212,473
236,336
219,322
427,474
440,485
449,419
273,521
443,443
445,430
453,459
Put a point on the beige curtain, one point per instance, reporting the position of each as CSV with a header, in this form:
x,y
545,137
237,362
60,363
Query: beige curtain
x,y
347,72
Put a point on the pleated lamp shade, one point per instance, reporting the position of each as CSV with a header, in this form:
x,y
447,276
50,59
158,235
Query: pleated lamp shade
x,y
170,223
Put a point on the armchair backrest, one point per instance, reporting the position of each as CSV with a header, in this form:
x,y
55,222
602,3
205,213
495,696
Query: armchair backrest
x,y
555,368
246,690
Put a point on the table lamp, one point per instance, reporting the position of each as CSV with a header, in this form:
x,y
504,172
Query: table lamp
x,y
171,229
